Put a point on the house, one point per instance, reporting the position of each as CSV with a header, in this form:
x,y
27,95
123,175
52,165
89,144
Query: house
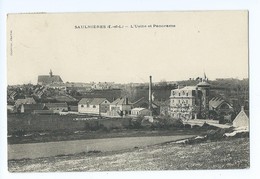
x,y
141,112
30,108
49,79
19,102
190,101
241,120
120,107
97,106
220,107
57,107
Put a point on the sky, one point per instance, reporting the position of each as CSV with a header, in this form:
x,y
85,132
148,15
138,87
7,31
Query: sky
x,y
213,42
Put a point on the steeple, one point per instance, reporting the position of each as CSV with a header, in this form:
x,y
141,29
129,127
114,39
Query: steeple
x,y
50,73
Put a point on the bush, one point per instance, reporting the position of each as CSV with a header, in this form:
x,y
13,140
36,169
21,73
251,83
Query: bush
x,y
168,122
218,134
136,123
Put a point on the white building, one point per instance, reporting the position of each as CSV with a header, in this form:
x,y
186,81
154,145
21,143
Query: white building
x,y
241,120
97,106
141,112
190,102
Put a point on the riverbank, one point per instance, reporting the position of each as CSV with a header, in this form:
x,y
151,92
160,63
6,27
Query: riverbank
x,y
64,135
231,153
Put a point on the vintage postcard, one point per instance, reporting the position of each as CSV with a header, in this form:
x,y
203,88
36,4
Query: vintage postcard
x,y
127,91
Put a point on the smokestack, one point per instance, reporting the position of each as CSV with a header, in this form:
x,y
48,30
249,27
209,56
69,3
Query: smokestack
x,y
150,93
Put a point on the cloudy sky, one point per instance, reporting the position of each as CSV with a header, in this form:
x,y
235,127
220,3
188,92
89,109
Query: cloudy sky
x,y
215,42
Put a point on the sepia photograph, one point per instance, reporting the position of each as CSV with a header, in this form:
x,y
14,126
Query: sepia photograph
x,y
128,91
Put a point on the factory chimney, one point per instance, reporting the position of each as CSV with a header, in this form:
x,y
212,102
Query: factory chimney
x,y
150,93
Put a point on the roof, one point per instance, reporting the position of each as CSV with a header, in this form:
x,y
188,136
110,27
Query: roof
x,y
203,83
47,79
33,106
154,104
138,109
97,101
92,101
241,119
216,102
24,101
187,88
142,98
121,101
64,98
55,105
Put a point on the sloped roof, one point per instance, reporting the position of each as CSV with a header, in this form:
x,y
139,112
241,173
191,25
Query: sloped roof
x,y
120,101
189,88
85,100
55,105
97,101
24,101
33,106
241,119
47,79
216,102
142,98
92,101
186,88
203,83
137,109
154,104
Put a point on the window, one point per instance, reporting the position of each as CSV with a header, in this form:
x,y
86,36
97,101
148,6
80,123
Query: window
x,y
94,106
82,105
187,94
183,92
179,101
87,105
179,94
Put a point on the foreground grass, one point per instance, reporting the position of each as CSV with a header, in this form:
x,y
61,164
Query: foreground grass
x,y
226,154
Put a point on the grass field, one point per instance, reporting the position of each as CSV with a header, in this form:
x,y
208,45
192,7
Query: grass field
x,y
225,154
